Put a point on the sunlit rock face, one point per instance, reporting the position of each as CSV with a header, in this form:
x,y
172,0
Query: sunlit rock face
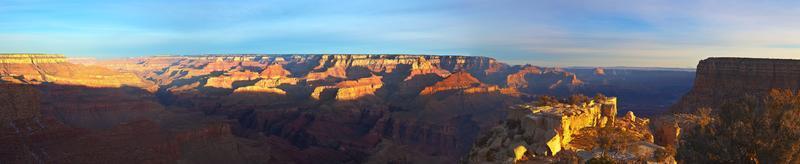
x,y
720,79
273,71
459,81
354,89
227,79
538,133
38,68
543,130
31,58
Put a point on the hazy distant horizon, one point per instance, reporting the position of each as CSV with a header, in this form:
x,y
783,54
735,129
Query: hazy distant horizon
x,y
595,33
507,62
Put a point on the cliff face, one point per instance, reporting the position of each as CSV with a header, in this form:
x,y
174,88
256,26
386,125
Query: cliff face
x,y
355,89
31,58
38,68
543,130
459,81
532,79
720,79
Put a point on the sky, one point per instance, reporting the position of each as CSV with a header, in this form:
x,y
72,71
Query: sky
x,y
663,33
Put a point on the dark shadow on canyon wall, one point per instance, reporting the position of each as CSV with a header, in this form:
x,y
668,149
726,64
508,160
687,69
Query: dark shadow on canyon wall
x,y
51,123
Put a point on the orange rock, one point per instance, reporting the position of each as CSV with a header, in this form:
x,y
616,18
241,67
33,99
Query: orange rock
x,y
54,68
354,89
227,80
274,70
458,80
335,72
517,80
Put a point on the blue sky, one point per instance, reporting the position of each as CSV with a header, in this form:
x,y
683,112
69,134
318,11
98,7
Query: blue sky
x,y
668,33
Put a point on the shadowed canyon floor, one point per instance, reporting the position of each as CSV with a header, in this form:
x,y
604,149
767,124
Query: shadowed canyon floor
x,y
285,108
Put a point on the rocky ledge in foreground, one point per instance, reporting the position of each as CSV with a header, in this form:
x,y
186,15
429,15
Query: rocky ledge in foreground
x,y
561,132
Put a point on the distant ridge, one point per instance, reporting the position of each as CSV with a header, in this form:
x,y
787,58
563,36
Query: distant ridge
x,y
636,68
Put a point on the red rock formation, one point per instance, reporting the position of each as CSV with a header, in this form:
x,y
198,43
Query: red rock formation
x,y
423,67
518,79
227,80
333,72
37,68
458,80
535,80
354,89
274,70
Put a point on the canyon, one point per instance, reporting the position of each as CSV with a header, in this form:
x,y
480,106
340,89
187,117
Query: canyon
x,y
362,108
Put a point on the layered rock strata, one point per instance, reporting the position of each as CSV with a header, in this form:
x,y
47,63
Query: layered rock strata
x,y
551,128
720,79
38,68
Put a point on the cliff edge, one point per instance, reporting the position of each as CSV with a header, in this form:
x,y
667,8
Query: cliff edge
x,y
720,79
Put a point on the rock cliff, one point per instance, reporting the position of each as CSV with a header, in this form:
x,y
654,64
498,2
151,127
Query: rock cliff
x,y
539,133
720,79
542,130
355,89
462,81
38,68
31,58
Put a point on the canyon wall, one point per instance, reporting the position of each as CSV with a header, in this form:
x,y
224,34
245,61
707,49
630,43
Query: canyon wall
x,y
721,79
31,58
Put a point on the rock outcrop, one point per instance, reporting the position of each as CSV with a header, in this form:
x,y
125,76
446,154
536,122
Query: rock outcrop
x,y
532,79
720,79
544,130
275,70
599,71
459,81
354,89
518,79
539,133
227,80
